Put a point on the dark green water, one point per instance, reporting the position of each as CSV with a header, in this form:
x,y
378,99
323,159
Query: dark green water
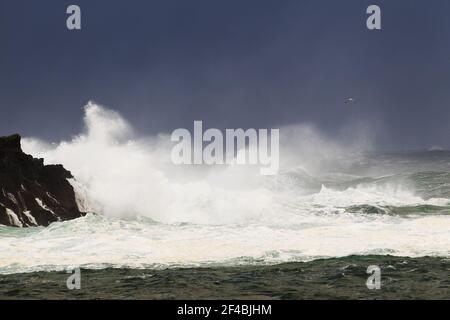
x,y
337,278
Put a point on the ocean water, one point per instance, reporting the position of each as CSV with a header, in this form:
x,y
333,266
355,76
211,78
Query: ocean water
x,y
331,199
342,216
329,223
334,278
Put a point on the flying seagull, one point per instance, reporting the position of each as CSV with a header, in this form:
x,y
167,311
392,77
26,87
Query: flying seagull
x,y
349,100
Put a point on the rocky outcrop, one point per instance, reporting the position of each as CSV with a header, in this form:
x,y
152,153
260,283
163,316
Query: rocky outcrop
x,y
31,193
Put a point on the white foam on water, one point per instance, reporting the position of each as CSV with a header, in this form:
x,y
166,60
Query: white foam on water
x,y
224,215
125,176
96,242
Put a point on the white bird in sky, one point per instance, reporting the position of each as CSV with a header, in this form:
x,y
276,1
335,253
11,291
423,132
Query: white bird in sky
x,y
349,100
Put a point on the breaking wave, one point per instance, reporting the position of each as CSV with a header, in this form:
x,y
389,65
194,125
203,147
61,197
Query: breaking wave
x,y
330,199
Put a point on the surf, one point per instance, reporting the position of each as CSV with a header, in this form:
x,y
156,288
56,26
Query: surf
x,y
148,213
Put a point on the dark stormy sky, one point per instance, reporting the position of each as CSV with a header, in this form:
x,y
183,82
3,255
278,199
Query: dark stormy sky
x,y
233,63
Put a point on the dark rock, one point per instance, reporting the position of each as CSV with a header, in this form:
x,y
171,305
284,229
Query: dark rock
x,y
31,193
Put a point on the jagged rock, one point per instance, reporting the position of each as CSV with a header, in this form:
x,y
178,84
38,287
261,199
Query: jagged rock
x,y
31,193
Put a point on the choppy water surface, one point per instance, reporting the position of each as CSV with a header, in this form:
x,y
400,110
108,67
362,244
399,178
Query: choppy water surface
x,y
336,278
305,218
328,201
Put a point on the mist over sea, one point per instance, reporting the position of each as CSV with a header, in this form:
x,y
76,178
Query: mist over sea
x,y
330,200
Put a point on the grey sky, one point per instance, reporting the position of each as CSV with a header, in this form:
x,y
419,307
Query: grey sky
x,y
254,63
